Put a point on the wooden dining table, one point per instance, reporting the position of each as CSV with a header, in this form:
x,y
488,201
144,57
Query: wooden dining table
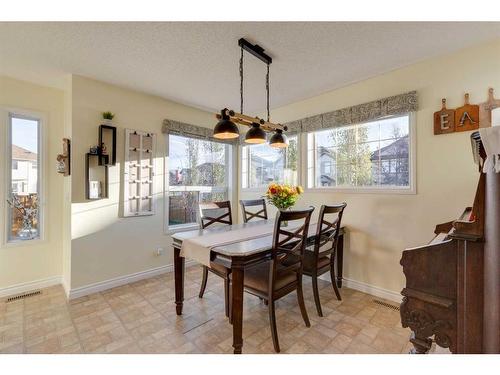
x,y
242,252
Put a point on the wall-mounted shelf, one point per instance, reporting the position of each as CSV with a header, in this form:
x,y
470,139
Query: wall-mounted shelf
x,y
96,177
140,149
107,135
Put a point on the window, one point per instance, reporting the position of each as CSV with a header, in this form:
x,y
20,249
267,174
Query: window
x,y
262,164
374,155
23,190
197,172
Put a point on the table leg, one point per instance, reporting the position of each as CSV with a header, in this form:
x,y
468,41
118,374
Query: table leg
x,y
340,260
179,280
237,308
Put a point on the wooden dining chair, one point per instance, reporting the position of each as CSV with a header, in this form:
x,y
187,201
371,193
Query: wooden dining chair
x,y
216,213
282,274
321,257
250,214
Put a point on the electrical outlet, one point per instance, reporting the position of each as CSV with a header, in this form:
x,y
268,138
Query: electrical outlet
x,y
160,251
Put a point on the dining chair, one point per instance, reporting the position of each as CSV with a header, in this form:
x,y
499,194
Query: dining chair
x,y
320,258
282,274
216,213
253,214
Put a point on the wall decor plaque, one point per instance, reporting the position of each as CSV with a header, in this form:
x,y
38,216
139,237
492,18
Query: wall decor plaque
x,y
486,108
444,120
467,116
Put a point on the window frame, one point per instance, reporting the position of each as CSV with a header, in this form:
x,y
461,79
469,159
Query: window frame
x,y
231,182
264,188
6,116
412,165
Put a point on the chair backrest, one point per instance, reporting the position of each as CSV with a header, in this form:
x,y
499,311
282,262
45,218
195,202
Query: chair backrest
x,y
249,215
289,242
215,212
328,228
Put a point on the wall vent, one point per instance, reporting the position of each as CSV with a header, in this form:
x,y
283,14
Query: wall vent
x,y
23,296
385,304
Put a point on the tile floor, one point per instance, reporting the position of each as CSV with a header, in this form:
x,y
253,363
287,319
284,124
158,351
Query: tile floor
x,y
140,318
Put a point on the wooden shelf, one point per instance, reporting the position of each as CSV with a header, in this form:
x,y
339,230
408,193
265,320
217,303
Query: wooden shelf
x,y
104,184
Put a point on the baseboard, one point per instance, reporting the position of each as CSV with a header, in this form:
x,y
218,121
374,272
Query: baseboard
x,y
121,280
29,286
373,290
368,289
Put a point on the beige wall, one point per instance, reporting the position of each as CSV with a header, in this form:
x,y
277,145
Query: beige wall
x,y
382,225
37,260
105,245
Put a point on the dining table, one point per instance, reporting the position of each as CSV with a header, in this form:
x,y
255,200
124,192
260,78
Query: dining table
x,y
235,247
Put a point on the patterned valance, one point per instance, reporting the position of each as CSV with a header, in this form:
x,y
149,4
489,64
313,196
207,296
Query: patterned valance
x,y
391,106
193,131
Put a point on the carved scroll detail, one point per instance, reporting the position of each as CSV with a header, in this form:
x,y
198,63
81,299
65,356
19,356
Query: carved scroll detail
x,y
424,325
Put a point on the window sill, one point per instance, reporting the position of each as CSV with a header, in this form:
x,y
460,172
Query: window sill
x,y
24,243
386,190
254,190
182,228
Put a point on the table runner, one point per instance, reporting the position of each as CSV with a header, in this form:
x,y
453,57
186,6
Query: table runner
x,y
199,248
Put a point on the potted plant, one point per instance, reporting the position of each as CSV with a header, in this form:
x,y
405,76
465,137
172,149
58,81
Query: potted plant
x,y
108,117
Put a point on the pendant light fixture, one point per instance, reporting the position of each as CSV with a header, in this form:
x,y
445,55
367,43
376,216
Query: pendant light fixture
x,y
227,127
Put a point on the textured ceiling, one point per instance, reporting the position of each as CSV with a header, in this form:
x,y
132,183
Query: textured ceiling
x,y
197,63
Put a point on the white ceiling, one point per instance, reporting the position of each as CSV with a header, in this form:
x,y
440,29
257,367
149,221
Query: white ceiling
x,y
197,63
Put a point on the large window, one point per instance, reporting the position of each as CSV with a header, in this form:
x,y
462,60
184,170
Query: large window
x,y
198,171
373,155
23,185
262,164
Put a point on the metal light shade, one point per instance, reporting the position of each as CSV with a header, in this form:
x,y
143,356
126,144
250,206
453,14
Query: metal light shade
x,y
278,139
255,135
226,129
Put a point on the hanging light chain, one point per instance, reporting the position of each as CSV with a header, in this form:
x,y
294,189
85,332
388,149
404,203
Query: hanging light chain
x,y
241,81
267,91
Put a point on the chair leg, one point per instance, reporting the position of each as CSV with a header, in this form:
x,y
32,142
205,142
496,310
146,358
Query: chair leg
x,y
316,294
300,298
334,281
227,300
274,330
203,281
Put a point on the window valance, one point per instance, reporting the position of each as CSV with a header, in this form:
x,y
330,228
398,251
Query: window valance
x,y
193,131
390,106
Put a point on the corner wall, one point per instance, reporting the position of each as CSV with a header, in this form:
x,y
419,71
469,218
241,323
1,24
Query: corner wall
x,y
35,264
105,246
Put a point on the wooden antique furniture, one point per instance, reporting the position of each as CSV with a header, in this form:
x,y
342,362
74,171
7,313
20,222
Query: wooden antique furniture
x,y
249,215
282,273
322,257
453,284
245,252
212,213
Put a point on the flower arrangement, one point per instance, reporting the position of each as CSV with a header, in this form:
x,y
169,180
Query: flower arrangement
x,y
283,196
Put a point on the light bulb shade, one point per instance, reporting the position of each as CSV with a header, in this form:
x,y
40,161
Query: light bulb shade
x,y
255,135
226,129
278,140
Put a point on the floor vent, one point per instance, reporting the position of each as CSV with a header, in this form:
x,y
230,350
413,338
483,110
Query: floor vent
x,y
23,296
385,304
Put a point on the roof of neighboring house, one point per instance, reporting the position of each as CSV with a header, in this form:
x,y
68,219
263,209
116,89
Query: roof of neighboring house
x,y
19,153
397,148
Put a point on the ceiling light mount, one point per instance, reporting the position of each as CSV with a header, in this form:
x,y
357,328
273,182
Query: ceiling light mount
x,y
255,50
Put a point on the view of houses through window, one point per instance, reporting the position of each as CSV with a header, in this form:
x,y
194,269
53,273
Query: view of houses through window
x,y
373,154
262,164
23,194
197,172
